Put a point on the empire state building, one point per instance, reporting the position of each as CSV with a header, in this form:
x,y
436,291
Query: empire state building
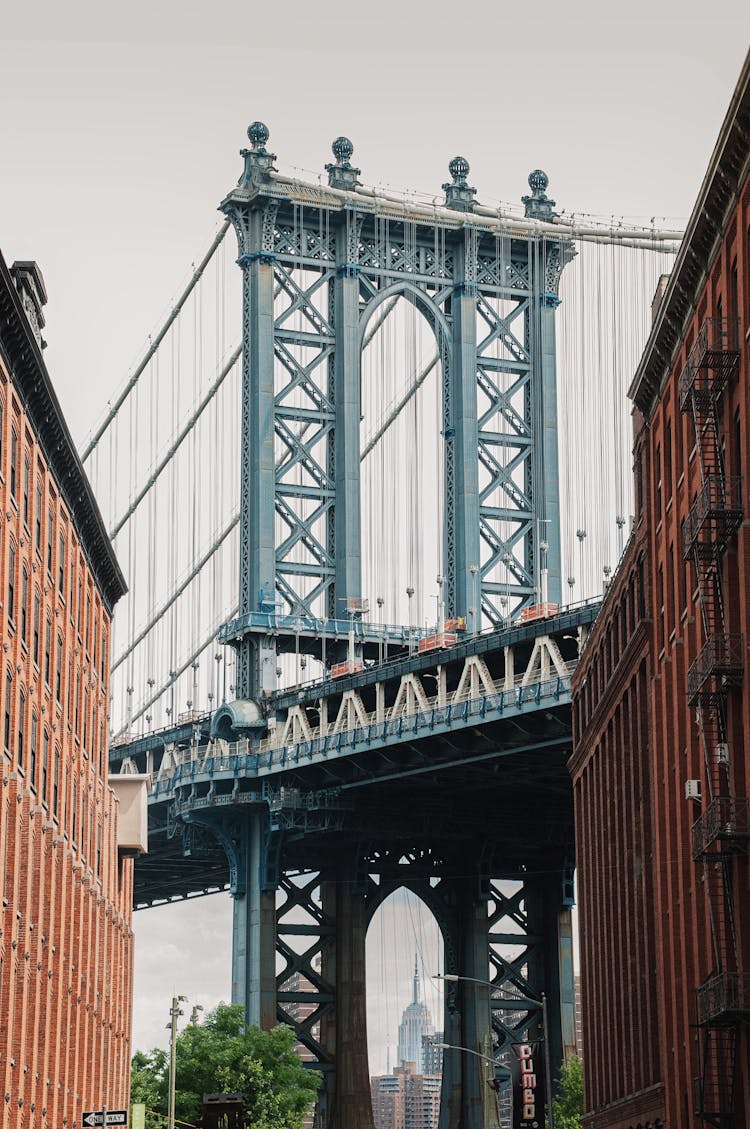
x,y
415,1022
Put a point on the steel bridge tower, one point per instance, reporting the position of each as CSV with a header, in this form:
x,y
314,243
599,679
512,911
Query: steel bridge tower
x,y
318,265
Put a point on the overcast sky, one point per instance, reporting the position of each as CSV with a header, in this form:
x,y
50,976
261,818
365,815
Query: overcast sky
x,y
120,127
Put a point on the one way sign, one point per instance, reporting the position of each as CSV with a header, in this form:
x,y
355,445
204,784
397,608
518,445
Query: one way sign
x,y
114,1117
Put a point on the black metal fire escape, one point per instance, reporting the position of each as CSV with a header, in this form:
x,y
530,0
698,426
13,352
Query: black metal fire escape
x,y
723,829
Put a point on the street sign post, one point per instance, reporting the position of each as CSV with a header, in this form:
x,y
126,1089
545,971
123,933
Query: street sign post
x,y
97,1117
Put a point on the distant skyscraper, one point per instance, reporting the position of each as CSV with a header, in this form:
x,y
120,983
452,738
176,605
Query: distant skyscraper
x,y
415,1023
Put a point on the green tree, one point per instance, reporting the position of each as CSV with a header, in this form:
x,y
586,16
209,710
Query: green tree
x,y
222,1054
568,1105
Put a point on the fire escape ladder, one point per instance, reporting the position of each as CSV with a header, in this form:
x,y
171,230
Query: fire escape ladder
x,y
723,828
715,1085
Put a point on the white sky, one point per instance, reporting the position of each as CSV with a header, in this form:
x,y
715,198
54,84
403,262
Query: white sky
x,y
120,127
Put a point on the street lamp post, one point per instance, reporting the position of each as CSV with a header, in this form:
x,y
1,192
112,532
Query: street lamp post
x,y
510,1004
468,1051
174,1013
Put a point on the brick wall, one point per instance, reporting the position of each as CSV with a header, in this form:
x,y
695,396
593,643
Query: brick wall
x,y
66,941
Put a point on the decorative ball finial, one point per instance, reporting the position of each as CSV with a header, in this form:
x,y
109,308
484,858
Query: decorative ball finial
x,y
539,206
459,169
459,194
258,134
342,150
538,181
342,174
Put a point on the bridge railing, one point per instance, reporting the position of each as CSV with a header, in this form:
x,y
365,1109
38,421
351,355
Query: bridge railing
x,y
367,728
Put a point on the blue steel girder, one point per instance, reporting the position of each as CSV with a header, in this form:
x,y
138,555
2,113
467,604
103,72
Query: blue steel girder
x,y
317,265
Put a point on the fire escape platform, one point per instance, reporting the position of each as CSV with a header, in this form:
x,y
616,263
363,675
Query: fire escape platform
x,y
723,829
715,515
718,667
724,999
711,364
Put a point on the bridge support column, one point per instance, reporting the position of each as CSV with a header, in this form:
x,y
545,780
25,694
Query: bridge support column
x,y
462,488
552,971
253,928
467,1101
256,660
345,1035
548,487
347,549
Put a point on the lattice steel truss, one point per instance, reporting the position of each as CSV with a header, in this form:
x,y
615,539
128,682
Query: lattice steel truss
x,y
317,264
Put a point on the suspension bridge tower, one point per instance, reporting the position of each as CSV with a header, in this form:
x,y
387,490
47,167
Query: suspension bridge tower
x,y
322,264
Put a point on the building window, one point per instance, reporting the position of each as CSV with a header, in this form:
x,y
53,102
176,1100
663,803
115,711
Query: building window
x,y
104,655
85,720
50,538
24,605
58,671
8,710
61,564
26,490
662,625
21,726
74,813
47,650
45,764
657,480
38,518
33,747
37,618
12,583
13,461
56,783
668,457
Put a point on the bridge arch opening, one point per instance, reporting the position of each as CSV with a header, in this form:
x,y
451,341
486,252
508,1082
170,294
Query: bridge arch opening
x,y
403,459
404,951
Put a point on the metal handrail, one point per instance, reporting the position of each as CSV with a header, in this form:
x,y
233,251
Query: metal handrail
x,y
726,821
720,495
721,655
725,995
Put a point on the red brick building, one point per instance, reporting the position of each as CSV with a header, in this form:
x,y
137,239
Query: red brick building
x,y
661,764
66,939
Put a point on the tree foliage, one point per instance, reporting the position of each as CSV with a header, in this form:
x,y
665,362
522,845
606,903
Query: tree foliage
x,y
223,1055
568,1105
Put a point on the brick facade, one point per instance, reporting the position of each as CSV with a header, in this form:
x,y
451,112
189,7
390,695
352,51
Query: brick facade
x,y
648,899
66,940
